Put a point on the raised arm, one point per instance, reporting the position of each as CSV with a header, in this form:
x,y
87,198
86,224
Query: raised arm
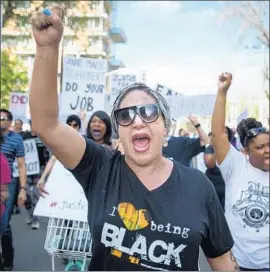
x,y
205,140
220,139
64,142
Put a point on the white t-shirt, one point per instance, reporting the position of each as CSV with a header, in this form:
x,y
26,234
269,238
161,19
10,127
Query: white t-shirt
x,y
247,209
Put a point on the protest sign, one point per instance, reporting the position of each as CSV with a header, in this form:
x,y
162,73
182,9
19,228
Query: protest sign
x,y
118,82
242,116
83,86
183,105
166,91
199,105
66,199
31,159
18,104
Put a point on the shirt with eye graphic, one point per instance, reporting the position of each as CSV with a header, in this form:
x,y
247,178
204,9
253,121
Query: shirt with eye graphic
x,y
247,209
133,228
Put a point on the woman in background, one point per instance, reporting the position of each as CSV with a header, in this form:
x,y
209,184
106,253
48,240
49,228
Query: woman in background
x,y
246,183
99,128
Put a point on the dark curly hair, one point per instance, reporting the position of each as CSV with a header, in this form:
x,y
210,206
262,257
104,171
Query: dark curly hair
x,y
75,118
244,126
230,134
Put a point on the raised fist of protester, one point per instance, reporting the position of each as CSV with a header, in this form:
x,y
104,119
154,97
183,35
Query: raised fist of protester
x,y
225,81
82,115
47,25
193,120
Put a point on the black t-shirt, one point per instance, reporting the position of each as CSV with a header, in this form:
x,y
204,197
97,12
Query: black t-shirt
x,y
183,149
215,176
136,229
43,152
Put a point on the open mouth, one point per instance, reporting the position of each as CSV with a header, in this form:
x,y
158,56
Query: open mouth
x,y
141,142
96,133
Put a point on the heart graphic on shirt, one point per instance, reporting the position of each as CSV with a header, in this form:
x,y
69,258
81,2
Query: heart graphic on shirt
x,y
133,219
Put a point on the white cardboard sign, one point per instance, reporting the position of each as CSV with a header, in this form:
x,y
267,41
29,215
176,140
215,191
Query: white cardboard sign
x,y
83,86
18,103
183,105
117,83
66,199
31,159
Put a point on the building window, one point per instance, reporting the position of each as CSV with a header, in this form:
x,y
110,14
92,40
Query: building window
x,y
22,4
94,5
93,23
69,44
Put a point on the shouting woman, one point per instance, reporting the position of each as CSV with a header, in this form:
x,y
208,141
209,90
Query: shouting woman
x,y
145,212
99,128
246,178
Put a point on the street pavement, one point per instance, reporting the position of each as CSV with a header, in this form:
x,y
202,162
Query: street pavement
x,y
29,247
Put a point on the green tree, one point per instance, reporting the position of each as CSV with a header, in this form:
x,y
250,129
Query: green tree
x,y
22,18
10,9
13,76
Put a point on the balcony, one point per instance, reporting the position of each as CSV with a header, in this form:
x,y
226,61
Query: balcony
x,y
89,14
16,32
118,35
115,64
93,53
91,32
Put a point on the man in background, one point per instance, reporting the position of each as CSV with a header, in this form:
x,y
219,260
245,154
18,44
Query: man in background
x,y
183,148
17,127
183,133
12,148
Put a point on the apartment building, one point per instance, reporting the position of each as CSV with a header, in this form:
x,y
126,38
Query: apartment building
x,y
89,31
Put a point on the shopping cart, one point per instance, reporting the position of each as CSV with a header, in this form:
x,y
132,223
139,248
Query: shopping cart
x,y
71,240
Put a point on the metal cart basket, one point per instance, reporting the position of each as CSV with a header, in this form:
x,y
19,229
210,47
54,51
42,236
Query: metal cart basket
x,y
69,239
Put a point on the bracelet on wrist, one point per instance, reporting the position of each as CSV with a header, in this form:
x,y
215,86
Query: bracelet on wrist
x,y
197,126
23,188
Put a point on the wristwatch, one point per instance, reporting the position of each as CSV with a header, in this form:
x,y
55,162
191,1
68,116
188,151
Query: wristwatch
x,y
198,125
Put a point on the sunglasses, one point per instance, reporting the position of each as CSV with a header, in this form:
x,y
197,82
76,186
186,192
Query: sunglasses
x,y
149,113
2,118
73,125
253,132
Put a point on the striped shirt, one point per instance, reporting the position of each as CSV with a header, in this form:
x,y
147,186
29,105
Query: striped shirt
x,y
12,147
